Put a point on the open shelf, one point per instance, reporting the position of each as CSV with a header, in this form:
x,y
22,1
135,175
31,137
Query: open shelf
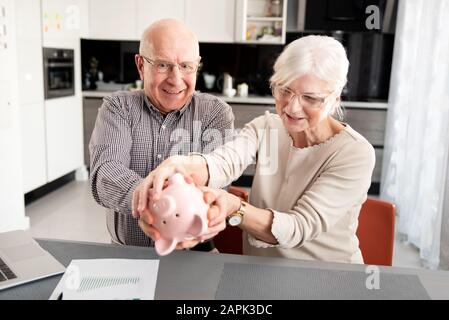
x,y
261,21
264,19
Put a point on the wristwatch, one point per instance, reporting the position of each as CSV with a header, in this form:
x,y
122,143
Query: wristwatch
x,y
236,218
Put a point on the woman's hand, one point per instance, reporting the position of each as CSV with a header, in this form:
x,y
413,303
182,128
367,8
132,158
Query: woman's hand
x,y
221,204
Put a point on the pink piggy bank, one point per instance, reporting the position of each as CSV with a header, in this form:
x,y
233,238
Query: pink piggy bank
x,y
180,214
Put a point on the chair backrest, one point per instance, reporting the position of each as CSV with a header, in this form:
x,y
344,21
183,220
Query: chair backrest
x,y
376,231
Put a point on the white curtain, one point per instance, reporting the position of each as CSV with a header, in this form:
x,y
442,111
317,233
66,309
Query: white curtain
x,y
417,136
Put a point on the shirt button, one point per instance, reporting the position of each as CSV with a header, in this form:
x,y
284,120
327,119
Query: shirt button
x,y
159,156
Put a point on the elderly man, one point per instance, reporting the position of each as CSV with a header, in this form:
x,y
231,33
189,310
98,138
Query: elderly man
x,y
136,131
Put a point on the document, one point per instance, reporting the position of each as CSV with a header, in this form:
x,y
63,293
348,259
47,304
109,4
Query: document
x,y
108,279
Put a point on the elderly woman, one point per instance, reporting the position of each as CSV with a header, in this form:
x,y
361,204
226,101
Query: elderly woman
x,y
312,171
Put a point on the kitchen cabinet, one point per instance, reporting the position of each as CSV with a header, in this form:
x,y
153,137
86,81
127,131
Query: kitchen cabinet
x,y
12,213
90,112
64,21
29,52
214,22
30,88
244,113
63,116
151,11
64,136
370,123
32,119
113,19
261,21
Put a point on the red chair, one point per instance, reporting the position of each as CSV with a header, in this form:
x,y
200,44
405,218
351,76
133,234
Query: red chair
x,y
375,231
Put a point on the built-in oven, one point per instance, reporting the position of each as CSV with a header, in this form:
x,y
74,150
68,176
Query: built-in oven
x,y
59,72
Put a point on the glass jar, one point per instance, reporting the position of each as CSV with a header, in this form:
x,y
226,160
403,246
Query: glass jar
x,y
276,8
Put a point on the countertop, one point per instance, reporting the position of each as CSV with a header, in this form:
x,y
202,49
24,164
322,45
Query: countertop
x,y
258,100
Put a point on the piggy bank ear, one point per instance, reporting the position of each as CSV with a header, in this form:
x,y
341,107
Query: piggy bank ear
x,y
164,246
163,207
177,178
197,227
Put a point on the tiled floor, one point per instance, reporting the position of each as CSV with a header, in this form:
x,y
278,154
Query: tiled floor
x,y
71,213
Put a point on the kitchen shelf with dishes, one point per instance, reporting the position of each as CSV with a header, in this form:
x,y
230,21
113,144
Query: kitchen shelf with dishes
x,y
261,21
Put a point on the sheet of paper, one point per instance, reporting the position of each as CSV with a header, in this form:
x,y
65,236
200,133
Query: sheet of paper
x,y
108,279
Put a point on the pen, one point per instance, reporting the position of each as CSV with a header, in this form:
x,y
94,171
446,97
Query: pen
x,y
60,296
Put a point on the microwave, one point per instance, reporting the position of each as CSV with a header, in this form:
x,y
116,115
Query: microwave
x,y
59,72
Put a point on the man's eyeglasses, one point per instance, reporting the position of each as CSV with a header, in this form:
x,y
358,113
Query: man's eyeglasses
x,y
307,100
161,66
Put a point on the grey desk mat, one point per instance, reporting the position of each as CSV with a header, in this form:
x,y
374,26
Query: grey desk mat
x,y
259,282
64,252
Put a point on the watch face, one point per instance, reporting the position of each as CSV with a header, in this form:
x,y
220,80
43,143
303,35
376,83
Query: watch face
x,y
235,220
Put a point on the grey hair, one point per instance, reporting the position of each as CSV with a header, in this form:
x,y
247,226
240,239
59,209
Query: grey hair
x,y
322,56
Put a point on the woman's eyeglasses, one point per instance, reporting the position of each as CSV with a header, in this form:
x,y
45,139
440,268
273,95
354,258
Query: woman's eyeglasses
x,y
307,100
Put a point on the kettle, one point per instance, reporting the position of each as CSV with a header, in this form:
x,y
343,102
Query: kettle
x,y
225,82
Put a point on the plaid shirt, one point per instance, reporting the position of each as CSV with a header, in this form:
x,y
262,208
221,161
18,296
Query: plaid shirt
x,y
131,138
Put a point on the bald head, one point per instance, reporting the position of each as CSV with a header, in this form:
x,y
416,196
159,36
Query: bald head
x,y
168,35
168,42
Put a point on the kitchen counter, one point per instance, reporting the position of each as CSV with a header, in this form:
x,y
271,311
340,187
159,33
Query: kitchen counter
x,y
258,100
96,93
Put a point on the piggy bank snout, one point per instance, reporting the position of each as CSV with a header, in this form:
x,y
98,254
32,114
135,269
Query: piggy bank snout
x,y
164,207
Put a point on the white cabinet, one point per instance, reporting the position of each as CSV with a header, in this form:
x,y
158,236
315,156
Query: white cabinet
x,y
12,212
64,136
151,11
32,119
63,21
29,52
30,91
63,116
261,21
212,21
113,19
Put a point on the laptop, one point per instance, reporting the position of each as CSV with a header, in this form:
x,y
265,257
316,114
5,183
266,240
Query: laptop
x,y
22,260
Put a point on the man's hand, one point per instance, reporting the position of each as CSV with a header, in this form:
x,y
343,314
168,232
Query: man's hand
x,y
157,179
146,220
153,184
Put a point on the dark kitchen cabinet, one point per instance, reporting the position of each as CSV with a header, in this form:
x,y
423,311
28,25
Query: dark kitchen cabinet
x,y
90,111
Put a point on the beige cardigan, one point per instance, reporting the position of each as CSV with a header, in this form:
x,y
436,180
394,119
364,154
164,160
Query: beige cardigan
x,y
315,193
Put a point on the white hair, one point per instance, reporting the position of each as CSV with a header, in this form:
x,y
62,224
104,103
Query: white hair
x,y
321,56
